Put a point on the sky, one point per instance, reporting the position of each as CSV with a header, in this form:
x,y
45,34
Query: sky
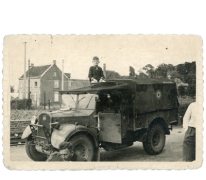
x,y
118,52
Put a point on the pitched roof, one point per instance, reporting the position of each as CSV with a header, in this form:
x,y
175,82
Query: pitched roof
x,y
68,75
36,71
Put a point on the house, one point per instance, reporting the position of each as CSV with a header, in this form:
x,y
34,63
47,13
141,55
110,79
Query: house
x,y
45,84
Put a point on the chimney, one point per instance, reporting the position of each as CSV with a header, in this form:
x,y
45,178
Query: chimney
x,y
54,61
32,65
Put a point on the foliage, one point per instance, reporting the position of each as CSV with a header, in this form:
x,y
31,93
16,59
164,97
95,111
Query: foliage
x,y
149,71
21,103
174,74
186,70
181,73
181,90
182,109
162,70
191,91
112,75
131,72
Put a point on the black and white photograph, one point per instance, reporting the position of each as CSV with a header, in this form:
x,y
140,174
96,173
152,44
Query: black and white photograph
x,y
102,99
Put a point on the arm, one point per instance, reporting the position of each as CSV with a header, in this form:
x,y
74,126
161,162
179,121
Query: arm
x,y
90,75
186,118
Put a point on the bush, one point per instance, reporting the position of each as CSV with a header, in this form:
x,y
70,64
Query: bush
x,y
182,109
21,103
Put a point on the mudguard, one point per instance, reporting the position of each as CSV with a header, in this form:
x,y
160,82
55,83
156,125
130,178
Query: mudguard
x,y
66,131
26,132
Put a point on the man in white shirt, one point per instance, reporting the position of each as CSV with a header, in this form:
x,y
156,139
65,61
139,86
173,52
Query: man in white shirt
x,y
189,125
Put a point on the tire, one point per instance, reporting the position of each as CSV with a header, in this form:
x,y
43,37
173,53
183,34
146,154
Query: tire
x,y
155,141
83,146
32,152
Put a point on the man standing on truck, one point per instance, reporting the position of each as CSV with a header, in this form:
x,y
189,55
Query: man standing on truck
x,y
95,72
189,125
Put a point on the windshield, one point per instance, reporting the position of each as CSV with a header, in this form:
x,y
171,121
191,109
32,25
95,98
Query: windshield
x,y
82,101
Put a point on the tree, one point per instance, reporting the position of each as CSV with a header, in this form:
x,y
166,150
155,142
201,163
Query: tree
x,y
112,75
174,75
162,69
131,72
191,90
149,70
186,68
12,89
181,90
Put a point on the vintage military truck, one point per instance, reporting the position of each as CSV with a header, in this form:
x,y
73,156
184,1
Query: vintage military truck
x,y
110,115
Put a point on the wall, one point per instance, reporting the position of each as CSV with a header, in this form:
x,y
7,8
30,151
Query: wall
x,y
47,84
35,90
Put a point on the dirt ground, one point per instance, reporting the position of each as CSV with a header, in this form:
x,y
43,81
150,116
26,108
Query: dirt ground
x,y
171,152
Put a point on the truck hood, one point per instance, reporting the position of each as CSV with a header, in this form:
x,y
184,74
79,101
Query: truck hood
x,y
72,113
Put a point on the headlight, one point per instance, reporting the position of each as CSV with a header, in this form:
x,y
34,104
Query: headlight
x,y
33,120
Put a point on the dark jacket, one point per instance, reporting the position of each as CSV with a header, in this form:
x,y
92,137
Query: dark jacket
x,y
96,73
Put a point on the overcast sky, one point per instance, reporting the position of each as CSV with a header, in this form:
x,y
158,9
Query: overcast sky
x,y
117,52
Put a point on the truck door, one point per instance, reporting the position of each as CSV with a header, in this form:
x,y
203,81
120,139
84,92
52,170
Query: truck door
x,y
110,127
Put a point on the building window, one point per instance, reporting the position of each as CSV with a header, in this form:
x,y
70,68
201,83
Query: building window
x,y
56,84
70,83
56,96
55,74
35,84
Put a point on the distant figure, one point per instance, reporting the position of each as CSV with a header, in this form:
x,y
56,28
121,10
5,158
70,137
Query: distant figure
x,y
189,125
95,72
66,153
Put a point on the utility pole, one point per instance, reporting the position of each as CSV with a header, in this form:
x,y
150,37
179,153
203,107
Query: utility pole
x,y
24,86
28,79
62,75
104,71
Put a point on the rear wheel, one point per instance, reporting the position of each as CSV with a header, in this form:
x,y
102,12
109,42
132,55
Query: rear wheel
x,y
83,146
155,141
32,152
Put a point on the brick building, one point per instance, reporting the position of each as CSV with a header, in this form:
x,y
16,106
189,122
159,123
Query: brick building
x,y
46,82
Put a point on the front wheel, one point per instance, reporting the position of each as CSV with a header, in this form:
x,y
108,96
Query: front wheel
x,y
32,152
155,141
83,146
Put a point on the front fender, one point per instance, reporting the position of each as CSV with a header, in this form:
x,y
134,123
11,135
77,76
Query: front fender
x,y
26,132
65,132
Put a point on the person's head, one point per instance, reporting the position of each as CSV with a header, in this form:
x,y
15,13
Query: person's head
x,y
96,61
65,150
